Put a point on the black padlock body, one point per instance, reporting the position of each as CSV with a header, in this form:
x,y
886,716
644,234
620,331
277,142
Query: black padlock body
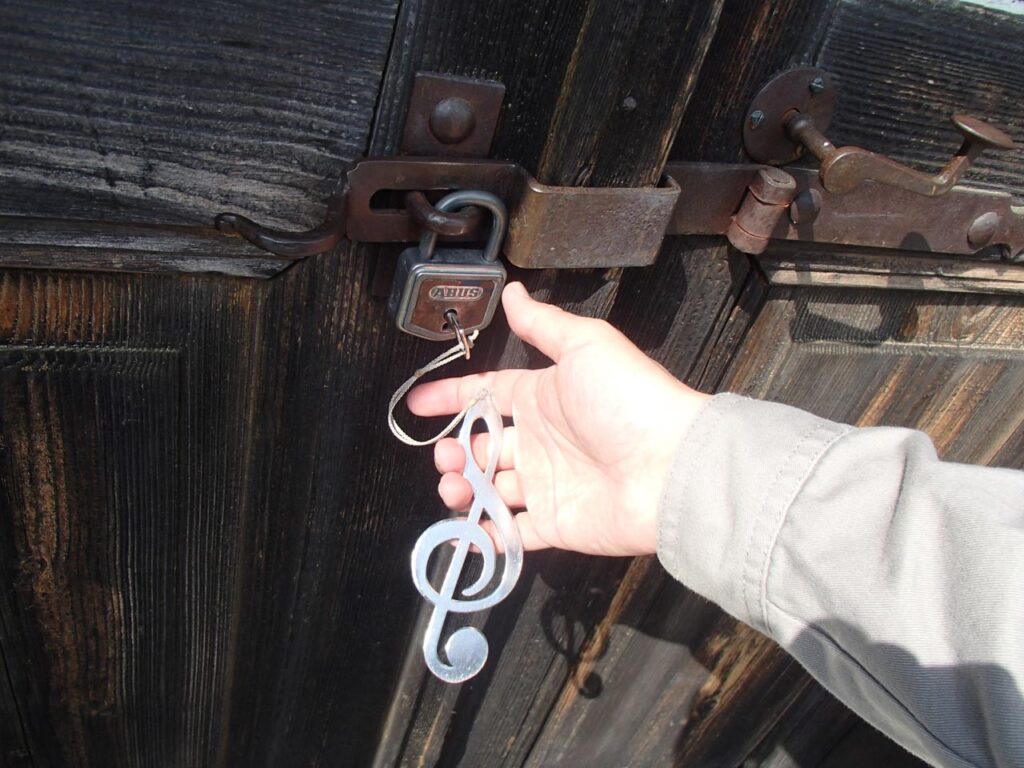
x,y
424,289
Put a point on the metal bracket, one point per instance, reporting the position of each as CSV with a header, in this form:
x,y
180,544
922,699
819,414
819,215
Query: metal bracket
x,y
451,116
963,222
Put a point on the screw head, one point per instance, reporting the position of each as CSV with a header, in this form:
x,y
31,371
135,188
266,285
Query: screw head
x,y
756,118
452,120
817,85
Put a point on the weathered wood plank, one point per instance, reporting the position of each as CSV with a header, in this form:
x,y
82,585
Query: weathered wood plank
x,y
31,243
694,339
14,752
758,696
598,103
122,474
945,363
790,264
169,113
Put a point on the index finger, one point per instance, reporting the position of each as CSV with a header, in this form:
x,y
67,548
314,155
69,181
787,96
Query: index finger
x,y
449,396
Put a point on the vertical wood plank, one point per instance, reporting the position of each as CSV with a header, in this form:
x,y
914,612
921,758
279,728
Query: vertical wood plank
x,y
597,102
119,510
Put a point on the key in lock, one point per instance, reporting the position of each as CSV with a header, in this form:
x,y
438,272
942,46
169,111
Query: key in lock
x,y
432,284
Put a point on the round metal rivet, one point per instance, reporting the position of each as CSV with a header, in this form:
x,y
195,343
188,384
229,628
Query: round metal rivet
x,y
983,229
756,118
817,85
452,120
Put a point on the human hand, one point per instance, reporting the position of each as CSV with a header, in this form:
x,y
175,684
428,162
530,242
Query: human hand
x,y
593,437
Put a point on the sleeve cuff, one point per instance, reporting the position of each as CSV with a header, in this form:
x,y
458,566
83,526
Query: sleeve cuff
x,y
735,475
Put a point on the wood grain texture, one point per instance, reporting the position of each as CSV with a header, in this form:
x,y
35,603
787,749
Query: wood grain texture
x,y
788,264
120,509
685,720
752,43
707,722
118,111
204,524
150,423
902,67
586,107
31,243
948,364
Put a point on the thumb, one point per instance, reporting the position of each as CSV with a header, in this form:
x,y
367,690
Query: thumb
x,y
544,326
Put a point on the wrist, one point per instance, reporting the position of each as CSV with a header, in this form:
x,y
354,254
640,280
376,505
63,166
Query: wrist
x,y
680,411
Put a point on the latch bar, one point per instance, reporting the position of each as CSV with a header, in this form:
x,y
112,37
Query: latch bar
x,y
962,222
560,227
588,227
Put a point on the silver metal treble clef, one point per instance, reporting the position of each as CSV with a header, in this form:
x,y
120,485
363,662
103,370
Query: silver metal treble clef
x,y
466,649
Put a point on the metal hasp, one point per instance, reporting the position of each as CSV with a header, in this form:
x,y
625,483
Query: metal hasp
x,y
561,227
605,227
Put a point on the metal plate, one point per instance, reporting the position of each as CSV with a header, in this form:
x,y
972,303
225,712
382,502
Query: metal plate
x,y
587,227
451,116
805,89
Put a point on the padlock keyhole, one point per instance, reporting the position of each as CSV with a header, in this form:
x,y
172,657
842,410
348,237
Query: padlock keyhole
x,y
446,326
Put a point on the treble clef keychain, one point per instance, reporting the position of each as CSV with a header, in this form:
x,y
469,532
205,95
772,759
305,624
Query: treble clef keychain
x,y
422,281
466,649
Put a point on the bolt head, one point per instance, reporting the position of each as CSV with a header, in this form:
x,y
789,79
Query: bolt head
x,y
452,120
756,118
983,229
817,85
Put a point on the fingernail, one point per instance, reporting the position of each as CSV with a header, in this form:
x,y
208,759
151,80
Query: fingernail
x,y
519,288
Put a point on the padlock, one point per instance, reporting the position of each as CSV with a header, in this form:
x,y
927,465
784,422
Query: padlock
x,y
441,294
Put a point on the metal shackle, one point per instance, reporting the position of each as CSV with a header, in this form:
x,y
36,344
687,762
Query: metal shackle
x,y
461,199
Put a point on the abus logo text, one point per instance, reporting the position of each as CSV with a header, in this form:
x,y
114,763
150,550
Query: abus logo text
x,y
456,292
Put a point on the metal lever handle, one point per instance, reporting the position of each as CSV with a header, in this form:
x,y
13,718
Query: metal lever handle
x,y
845,168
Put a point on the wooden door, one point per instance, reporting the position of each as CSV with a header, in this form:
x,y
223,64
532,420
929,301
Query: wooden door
x,y
204,526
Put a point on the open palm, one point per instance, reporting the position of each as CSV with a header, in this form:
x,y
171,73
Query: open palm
x,y
593,435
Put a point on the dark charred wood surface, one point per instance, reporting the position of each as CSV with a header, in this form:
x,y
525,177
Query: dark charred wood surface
x,y
597,103
204,526
27,242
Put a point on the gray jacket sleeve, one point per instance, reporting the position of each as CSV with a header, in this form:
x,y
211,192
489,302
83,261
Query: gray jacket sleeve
x,y
896,579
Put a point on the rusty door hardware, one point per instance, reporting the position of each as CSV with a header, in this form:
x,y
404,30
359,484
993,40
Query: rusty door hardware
x,y
846,168
432,218
792,111
602,227
580,227
548,226
963,222
855,198
447,293
451,116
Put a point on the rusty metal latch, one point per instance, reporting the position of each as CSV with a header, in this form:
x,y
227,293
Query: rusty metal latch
x,y
855,198
564,227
